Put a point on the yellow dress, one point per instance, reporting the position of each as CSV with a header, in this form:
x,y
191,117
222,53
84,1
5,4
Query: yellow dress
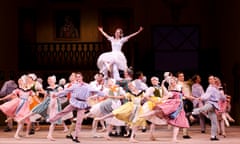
x,y
148,106
130,111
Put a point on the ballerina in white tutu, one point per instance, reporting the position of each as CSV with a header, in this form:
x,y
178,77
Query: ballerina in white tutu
x,y
115,60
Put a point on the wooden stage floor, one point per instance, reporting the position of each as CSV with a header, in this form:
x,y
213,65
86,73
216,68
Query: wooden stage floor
x,y
163,135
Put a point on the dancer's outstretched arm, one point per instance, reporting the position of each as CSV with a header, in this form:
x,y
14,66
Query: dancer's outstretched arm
x,y
12,95
104,33
135,33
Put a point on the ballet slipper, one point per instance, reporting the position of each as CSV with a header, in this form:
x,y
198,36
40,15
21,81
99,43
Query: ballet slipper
x,y
37,128
107,138
231,120
176,141
192,119
51,138
133,141
8,120
17,137
152,138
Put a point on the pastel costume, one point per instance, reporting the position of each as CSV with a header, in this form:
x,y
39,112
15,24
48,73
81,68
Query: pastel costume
x,y
155,98
115,56
211,98
97,99
197,91
23,107
130,111
171,106
43,108
78,101
108,105
9,107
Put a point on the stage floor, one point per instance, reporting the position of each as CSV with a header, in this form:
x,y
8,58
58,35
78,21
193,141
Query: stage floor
x,y
163,135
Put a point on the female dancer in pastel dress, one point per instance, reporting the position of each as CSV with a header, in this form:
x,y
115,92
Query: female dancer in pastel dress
x,y
22,107
154,96
221,113
49,105
130,111
113,95
54,105
172,109
115,60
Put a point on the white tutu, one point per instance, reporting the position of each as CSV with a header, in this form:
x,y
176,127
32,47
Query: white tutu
x,y
113,57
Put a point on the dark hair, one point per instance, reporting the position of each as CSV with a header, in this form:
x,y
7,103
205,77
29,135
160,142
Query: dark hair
x,y
194,77
130,71
138,74
101,74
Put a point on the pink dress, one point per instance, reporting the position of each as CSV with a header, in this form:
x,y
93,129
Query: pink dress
x,y
170,106
23,107
9,108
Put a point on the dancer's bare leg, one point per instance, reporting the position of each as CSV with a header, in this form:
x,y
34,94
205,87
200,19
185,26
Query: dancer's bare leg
x,y
71,128
152,129
37,126
104,117
80,117
109,129
222,125
28,129
94,128
103,125
225,119
25,117
19,128
175,134
150,113
50,132
132,139
65,128
229,117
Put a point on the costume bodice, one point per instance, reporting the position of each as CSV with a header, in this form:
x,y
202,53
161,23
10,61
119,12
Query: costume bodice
x,y
117,44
